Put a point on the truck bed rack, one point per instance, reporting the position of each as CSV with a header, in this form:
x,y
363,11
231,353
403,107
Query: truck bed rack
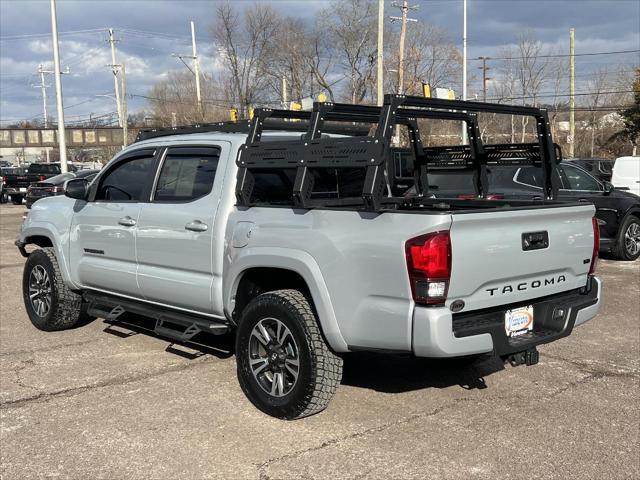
x,y
303,158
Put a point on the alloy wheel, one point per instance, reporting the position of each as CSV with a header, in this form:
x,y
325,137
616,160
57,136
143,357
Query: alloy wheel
x,y
273,357
632,239
40,291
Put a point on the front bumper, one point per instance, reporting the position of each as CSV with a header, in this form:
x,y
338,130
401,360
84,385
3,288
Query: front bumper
x,y
439,333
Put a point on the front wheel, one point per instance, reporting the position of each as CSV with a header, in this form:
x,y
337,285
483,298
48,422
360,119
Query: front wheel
x,y
49,302
285,367
628,242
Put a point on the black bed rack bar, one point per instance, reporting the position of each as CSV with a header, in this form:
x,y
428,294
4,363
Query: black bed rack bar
x,y
243,126
371,152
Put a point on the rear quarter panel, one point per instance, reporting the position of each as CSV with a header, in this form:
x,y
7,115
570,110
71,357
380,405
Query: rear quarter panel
x,y
358,258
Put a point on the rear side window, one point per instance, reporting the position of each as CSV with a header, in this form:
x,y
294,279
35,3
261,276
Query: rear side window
x,y
576,179
530,176
126,181
187,174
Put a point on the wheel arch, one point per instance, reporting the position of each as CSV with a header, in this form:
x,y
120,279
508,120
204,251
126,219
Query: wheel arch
x,y
259,271
44,238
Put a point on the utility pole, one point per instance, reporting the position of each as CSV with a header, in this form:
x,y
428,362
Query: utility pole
x,y
404,8
125,118
196,67
464,50
464,65
380,65
572,78
484,69
116,87
43,88
284,92
62,141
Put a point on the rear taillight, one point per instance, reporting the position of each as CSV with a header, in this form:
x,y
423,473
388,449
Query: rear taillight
x,y
429,266
596,245
42,178
57,190
4,179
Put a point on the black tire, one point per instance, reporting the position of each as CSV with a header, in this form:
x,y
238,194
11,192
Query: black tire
x,y
319,371
66,307
623,249
16,199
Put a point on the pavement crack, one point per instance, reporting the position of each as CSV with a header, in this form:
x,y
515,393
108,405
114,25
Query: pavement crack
x,y
262,474
598,370
68,392
50,349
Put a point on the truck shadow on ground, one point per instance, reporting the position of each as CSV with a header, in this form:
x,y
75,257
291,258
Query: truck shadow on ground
x,y
375,371
396,374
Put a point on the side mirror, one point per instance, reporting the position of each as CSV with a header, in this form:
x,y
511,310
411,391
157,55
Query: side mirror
x,y
77,188
608,187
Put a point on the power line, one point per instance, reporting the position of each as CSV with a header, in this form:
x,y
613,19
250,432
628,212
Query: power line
x,y
10,38
562,55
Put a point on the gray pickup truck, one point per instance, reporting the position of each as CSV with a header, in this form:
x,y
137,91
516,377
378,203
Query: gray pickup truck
x,y
284,231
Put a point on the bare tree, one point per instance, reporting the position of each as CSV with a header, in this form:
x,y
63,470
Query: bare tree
x,y
173,99
244,46
352,28
531,71
431,57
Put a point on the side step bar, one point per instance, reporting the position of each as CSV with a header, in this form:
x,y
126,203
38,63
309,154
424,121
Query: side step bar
x,y
178,326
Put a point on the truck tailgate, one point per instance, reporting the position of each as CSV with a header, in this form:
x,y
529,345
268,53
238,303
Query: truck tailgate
x,y
504,257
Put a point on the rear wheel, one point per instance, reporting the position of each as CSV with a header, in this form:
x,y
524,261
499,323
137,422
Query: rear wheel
x,y
628,242
16,199
50,304
285,367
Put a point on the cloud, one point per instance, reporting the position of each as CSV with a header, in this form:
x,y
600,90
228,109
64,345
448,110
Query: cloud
x,y
600,26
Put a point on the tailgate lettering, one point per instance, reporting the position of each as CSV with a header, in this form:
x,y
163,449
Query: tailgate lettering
x,y
526,285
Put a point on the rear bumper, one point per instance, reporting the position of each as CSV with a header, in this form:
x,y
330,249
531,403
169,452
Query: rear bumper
x,y
15,190
439,333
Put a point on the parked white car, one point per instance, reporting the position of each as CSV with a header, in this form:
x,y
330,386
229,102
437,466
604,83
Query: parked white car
x,y
626,174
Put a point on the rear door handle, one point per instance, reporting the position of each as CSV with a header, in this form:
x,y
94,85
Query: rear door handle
x,y
196,226
127,221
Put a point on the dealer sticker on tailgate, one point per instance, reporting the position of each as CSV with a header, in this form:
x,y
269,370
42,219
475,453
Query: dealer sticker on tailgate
x,y
518,321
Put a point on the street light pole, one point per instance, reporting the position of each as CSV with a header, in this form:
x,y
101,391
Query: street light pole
x,y
62,141
380,52
464,64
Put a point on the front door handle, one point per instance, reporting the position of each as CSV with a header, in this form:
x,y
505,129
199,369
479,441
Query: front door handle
x,y
196,226
127,221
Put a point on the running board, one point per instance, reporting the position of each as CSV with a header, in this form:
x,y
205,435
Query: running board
x,y
175,325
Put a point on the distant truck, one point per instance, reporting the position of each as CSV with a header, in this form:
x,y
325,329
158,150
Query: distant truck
x,y
16,185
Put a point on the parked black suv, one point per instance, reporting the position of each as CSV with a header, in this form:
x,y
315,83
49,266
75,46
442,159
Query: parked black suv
x,y
618,212
601,168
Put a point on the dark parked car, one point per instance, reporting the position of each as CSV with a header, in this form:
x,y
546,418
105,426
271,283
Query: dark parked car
x,y
55,185
601,168
618,212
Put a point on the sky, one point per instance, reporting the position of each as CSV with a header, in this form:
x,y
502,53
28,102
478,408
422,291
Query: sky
x,y
149,31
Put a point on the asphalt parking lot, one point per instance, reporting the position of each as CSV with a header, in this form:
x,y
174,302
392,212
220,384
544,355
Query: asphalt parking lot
x,y
109,402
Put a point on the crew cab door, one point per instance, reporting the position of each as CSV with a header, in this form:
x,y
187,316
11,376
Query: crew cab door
x,y
103,232
176,229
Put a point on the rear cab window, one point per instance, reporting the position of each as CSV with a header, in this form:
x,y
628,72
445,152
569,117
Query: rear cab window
x,y
186,174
